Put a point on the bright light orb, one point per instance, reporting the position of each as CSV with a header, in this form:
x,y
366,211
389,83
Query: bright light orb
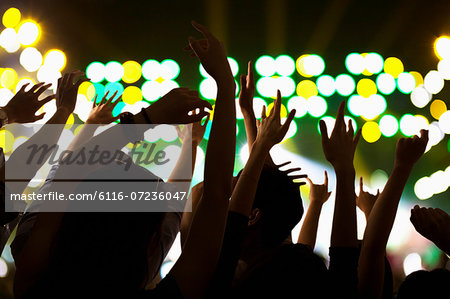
x,y
284,65
313,65
373,63
442,47
412,263
374,106
170,69
307,89
234,66
113,87
437,108
444,68
386,83
433,82
317,106
265,66
5,96
388,125
300,105
326,85
393,66
366,88
420,97
267,87
444,122
31,59
87,89
55,59
131,71
96,72
407,125
151,69
355,105
11,17
8,78
132,95
48,75
286,85
9,40
345,85
114,71
406,83
371,132
354,63
435,134
28,33
208,88
421,188
24,81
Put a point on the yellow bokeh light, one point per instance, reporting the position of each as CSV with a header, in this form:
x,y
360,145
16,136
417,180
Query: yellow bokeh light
x,y
418,77
8,78
132,71
283,110
307,89
366,72
131,95
371,131
437,108
70,122
300,66
28,33
55,59
6,140
442,47
87,89
393,66
366,88
11,17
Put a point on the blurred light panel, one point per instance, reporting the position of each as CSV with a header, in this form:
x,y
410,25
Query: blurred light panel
x,y
313,65
406,83
96,71
433,82
9,40
442,47
443,68
113,71
393,66
8,78
299,104
265,66
112,87
132,95
170,68
326,85
444,122
55,59
151,90
388,125
299,65
366,88
11,17
420,97
345,85
355,105
437,108
373,106
386,83
354,63
208,88
371,132
131,71
284,65
373,63
407,125
317,106
28,33
307,89
31,59
417,77
151,69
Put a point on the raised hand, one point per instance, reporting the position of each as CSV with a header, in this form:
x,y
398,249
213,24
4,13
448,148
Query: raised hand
x,y
365,200
271,131
24,104
247,91
178,106
101,113
409,150
66,94
318,193
211,53
194,132
433,224
339,148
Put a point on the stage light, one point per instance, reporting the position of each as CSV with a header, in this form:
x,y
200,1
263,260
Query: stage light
x,y
435,134
87,89
407,125
55,59
417,78
11,17
284,65
443,68
433,82
307,89
388,125
28,33
437,108
131,71
258,104
412,263
345,85
131,95
48,75
286,85
112,87
299,104
170,69
3,268
354,63
420,97
233,66
317,106
386,83
378,179
208,88
9,40
96,72
265,66
444,122
422,188
299,65
393,66
438,182
406,83
442,47
326,85
24,81
5,96
366,88
373,63
151,69
8,78
113,71
313,65
355,105
151,90
31,59
266,87
371,132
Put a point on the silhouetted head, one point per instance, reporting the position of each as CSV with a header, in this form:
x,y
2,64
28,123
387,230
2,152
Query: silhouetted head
x,y
423,284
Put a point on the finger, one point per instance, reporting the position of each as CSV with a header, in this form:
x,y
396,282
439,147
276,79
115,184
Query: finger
x,y
424,136
35,87
329,193
119,116
351,131
178,131
299,176
283,164
323,131
79,82
108,102
195,117
277,105
356,139
104,98
263,112
94,101
251,76
38,117
326,180
196,47
64,80
287,123
378,192
206,122
203,30
309,181
42,89
340,116
73,75
22,89
193,93
290,170
197,103
116,102
46,100
243,82
361,185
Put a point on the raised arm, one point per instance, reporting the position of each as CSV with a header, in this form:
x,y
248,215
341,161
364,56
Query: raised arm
x,y
318,195
247,91
365,200
201,250
382,216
